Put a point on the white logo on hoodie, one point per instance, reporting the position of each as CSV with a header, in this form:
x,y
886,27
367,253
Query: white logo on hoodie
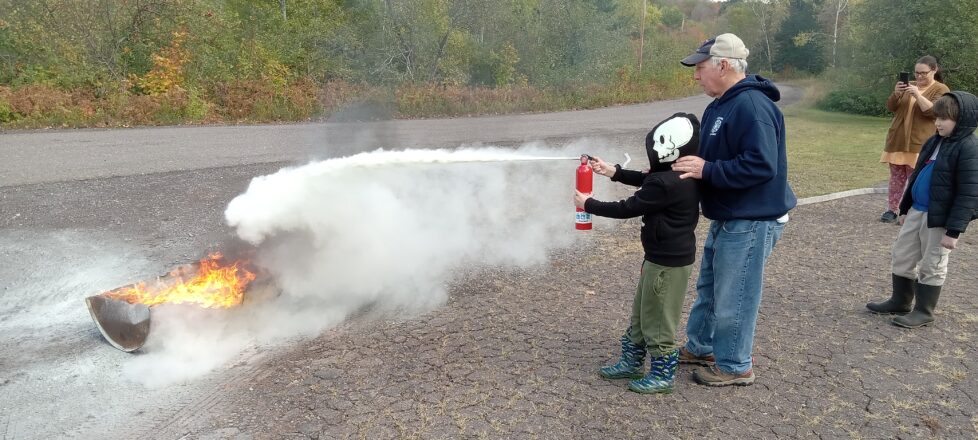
x,y
716,126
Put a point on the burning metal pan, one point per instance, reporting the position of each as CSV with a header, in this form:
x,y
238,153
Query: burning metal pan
x,y
123,315
124,325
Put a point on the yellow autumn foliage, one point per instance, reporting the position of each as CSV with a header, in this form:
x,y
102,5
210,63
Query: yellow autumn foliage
x,y
167,71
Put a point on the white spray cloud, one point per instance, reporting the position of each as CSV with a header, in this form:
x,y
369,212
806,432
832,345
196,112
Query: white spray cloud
x,y
391,226
385,229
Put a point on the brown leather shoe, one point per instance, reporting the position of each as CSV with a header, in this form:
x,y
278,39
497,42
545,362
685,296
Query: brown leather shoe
x,y
712,376
685,357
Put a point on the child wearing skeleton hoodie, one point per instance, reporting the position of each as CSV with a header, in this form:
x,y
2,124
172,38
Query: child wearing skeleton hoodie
x,y
669,207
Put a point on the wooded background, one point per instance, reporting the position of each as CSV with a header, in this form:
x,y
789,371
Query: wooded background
x,y
129,62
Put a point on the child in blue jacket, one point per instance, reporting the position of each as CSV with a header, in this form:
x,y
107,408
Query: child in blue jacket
x,y
940,200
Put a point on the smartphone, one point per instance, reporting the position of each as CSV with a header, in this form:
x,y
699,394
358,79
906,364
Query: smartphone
x,y
905,77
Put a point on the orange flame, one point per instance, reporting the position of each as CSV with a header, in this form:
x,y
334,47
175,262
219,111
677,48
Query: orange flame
x,y
211,286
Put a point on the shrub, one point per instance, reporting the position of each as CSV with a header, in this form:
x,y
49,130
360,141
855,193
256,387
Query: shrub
x,y
854,101
197,108
6,112
336,94
36,100
264,101
168,66
172,106
137,110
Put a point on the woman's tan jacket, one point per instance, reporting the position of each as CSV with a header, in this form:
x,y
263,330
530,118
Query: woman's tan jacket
x,y
905,139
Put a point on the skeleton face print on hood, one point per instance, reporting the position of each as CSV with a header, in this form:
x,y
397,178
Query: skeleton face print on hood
x,y
675,137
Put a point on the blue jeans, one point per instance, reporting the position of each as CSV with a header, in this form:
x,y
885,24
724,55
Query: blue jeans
x,y
724,315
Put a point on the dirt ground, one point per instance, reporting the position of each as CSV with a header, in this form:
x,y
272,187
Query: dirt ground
x,y
514,354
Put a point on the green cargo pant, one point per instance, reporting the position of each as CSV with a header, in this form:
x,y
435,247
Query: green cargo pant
x,y
658,307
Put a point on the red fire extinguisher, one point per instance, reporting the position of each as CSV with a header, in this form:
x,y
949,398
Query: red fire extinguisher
x,y
585,178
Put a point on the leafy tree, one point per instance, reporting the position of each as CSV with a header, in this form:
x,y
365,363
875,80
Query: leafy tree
x,y
892,35
798,39
212,52
673,17
705,12
835,15
757,22
565,41
85,42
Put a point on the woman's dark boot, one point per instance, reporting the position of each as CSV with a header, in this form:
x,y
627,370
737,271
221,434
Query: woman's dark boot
x,y
923,309
629,366
901,300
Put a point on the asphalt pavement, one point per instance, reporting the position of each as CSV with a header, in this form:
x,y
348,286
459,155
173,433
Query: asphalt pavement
x,y
513,352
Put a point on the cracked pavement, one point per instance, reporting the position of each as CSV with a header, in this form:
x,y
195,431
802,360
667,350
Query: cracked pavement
x,y
514,354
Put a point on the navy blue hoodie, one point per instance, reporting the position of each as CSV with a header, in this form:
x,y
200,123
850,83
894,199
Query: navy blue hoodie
x,y
742,140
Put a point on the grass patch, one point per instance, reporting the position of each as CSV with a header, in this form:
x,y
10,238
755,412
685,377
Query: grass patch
x,y
830,152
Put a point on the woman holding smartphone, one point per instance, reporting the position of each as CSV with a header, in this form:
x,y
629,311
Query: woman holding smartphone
x,y
913,123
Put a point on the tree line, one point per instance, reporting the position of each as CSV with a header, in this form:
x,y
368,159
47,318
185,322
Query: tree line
x,y
159,61
859,46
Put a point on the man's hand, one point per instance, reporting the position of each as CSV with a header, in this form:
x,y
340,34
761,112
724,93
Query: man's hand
x,y
690,166
601,167
580,198
949,243
901,219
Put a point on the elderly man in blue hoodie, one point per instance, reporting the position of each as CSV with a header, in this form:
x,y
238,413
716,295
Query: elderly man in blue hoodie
x,y
743,168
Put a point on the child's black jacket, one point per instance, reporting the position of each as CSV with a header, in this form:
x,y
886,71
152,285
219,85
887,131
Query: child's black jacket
x,y
669,206
954,184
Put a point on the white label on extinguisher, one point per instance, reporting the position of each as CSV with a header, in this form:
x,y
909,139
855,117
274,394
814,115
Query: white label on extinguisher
x,y
583,217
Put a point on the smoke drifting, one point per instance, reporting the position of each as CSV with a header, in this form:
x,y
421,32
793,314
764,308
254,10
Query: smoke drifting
x,y
386,230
